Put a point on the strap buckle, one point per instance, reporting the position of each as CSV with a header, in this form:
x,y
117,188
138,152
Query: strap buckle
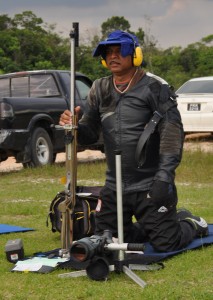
x,y
158,114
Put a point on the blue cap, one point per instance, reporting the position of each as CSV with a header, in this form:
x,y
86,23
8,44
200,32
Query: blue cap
x,y
127,41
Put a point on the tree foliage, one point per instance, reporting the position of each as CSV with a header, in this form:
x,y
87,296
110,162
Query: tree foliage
x,y
114,23
27,43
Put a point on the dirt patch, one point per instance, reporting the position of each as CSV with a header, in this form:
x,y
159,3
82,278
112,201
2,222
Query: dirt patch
x,y
193,142
84,156
201,141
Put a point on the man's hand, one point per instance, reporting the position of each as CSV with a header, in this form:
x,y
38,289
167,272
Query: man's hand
x,y
66,116
163,194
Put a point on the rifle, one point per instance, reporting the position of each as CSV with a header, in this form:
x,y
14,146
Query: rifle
x,y
67,206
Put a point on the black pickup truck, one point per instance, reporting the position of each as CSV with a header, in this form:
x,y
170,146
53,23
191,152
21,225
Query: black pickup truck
x,y
30,105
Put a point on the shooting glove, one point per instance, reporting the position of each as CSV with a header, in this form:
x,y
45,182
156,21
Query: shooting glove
x,y
163,194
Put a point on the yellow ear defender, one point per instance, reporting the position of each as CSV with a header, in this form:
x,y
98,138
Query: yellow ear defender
x,y
104,64
137,58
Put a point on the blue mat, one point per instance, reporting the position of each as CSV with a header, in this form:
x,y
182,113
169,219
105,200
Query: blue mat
x,y
4,228
151,256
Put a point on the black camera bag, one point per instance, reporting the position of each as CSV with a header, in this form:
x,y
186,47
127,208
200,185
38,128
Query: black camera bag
x,y
84,211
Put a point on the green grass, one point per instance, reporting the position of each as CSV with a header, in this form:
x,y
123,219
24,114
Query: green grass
x,y
25,197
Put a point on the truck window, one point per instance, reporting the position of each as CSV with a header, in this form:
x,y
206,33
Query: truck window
x,y
66,80
83,89
19,87
4,87
43,85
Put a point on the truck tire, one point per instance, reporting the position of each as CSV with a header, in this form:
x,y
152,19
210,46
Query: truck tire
x,y
41,149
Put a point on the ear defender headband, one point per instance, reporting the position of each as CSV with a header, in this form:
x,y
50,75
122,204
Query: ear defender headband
x,y
129,46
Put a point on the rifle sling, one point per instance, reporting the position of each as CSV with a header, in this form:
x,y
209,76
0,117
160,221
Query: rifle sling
x,y
140,154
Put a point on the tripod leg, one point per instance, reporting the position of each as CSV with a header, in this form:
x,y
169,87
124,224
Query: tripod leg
x,y
68,225
65,227
62,209
134,277
73,274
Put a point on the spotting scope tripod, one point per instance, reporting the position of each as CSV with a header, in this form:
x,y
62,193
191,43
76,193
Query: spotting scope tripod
x,y
121,263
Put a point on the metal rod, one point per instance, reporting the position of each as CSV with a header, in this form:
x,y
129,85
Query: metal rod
x,y
134,277
72,71
68,205
119,201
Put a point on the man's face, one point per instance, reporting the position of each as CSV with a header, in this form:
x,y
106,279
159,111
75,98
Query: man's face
x,y
116,62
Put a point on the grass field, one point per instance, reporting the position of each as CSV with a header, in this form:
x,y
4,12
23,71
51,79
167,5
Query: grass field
x,y
25,197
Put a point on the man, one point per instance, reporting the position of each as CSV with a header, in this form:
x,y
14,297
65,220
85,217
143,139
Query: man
x,y
121,105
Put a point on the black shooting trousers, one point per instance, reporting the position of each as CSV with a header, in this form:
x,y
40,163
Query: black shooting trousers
x,y
160,228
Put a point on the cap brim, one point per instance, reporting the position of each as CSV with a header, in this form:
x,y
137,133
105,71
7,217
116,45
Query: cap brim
x,y
101,46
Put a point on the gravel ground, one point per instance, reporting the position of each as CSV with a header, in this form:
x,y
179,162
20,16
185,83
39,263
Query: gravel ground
x,y
204,142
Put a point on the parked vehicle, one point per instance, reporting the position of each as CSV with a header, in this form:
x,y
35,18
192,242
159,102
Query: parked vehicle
x,y
195,103
30,105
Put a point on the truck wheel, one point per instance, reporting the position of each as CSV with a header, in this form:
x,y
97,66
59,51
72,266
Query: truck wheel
x,y
41,149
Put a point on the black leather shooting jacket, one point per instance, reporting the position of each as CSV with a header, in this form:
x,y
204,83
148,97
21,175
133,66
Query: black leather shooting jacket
x,y
122,118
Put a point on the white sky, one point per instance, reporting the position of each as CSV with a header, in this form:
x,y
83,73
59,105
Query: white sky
x,y
171,22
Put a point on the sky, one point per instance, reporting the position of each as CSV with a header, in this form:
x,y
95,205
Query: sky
x,y
171,22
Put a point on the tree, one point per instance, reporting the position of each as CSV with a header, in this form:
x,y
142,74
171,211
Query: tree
x,y
205,61
28,20
208,39
140,34
5,22
88,65
114,23
27,43
189,58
